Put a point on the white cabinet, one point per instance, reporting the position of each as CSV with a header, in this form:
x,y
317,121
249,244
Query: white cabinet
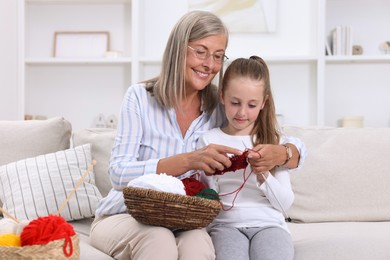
x,y
309,87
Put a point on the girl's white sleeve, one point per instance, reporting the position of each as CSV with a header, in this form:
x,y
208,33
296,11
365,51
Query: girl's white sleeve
x,y
278,189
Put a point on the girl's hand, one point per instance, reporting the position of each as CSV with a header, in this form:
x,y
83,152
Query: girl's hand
x,y
211,158
265,157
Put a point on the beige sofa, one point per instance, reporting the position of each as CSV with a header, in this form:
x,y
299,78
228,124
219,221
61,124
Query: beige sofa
x,y
342,196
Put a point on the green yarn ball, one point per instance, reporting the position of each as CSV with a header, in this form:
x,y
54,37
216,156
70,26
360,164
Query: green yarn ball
x,y
208,193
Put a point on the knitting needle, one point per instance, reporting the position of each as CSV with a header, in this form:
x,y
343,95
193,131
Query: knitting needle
x,y
9,215
77,185
269,187
280,204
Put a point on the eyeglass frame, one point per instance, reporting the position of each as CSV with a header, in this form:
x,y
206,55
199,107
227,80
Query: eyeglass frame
x,y
208,54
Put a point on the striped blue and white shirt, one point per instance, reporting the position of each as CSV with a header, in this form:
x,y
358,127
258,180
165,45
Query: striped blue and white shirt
x,y
148,132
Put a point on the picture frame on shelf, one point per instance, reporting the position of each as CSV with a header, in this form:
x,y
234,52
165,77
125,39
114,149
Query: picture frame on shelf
x,y
258,16
83,44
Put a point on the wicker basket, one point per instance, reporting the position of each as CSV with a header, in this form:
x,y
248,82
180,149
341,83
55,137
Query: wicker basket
x,y
170,210
51,251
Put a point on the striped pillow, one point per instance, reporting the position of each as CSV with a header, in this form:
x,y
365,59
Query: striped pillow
x,y
38,186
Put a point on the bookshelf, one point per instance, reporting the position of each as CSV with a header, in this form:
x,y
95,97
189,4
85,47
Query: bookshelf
x,y
359,85
310,87
79,89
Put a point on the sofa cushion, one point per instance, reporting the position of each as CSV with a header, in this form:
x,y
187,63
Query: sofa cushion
x,y
346,175
101,140
23,139
40,186
341,240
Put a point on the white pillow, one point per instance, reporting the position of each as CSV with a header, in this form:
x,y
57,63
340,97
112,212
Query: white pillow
x,y
38,186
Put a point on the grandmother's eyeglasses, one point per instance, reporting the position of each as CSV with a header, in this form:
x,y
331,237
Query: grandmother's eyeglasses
x,y
203,54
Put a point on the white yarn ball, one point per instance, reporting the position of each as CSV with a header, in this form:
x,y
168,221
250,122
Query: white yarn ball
x,y
159,182
21,225
9,226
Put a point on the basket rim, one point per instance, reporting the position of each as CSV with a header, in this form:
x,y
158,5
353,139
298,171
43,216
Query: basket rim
x,y
74,237
174,211
26,252
169,197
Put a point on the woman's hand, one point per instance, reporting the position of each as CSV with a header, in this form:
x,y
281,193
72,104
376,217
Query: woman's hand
x,y
208,159
211,158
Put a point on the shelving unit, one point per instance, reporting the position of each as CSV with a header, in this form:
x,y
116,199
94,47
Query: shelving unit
x,y
309,87
359,85
80,89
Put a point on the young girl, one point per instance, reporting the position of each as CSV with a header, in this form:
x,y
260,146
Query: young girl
x,y
252,223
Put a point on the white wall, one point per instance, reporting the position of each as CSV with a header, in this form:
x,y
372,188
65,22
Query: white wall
x,y
295,33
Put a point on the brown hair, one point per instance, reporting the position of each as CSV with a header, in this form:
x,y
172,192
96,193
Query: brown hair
x,y
169,86
265,129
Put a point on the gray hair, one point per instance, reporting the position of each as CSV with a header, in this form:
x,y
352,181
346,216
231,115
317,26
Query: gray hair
x,y
169,86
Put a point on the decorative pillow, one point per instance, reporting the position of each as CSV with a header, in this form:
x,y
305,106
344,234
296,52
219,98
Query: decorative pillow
x,y
38,186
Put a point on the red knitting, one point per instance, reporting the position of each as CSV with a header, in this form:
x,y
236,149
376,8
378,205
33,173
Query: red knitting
x,y
238,162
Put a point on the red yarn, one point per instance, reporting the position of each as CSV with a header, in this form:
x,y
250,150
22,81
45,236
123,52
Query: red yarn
x,y
192,186
46,229
236,191
238,162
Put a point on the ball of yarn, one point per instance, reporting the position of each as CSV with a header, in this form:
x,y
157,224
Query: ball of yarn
x,y
20,226
208,193
192,186
8,226
10,240
46,229
159,182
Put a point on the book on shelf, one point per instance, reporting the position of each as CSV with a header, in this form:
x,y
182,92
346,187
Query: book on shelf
x,y
328,51
342,40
